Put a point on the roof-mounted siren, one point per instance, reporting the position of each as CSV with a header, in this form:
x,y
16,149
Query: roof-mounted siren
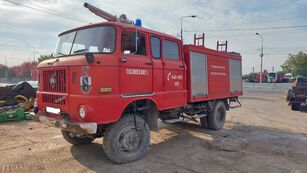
x,y
222,46
107,16
198,39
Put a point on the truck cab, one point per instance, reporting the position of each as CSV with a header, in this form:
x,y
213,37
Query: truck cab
x,y
111,64
272,77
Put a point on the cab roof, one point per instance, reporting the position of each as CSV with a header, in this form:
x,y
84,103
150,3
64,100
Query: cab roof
x,y
122,25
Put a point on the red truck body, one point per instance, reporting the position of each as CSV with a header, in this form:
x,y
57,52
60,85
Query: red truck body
x,y
115,80
221,73
167,83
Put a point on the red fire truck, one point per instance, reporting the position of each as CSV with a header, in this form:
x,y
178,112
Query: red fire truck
x,y
115,80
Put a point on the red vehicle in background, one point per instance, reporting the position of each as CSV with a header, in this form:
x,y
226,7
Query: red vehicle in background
x,y
115,80
34,75
264,78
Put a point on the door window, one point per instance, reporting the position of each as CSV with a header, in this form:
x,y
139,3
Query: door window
x,y
170,50
133,43
155,46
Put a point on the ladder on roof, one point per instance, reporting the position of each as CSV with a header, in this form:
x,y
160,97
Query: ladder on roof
x,y
222,46
199,40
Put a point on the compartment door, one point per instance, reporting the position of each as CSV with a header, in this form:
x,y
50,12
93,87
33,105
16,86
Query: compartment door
x,y
235,76
199,74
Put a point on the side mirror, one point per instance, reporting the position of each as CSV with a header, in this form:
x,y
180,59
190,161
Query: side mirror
x,y
89,58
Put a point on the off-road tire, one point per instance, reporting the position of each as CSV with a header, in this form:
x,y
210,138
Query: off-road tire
x,y
216,118
76,140
204,122
295,106
116,134
289,93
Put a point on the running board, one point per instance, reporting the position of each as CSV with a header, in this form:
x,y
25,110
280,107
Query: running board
x,y
199,116
175,120
193,118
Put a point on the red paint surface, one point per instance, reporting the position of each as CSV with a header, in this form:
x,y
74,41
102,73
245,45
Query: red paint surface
x,y
168,81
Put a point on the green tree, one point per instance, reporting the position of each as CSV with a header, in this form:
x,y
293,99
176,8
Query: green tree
x,y
43,58
250,76
296,64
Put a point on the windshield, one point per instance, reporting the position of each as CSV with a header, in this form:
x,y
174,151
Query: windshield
x,y
97,39
272,75
302,80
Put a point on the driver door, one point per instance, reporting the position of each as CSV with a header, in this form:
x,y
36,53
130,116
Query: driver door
x,y
136,65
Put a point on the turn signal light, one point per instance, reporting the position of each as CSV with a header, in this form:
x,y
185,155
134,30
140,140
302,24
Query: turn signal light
x,y
105,90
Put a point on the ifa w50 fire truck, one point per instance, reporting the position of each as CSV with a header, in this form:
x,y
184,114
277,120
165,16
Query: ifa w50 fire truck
x,y
116,79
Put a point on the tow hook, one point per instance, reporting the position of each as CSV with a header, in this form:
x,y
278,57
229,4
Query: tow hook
x,y
236,100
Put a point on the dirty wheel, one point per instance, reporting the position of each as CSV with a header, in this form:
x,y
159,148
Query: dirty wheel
x,y
123,143
74,139
216,118
295,106
289,95
204,122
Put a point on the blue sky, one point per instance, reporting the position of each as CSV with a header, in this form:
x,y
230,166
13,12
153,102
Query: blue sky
x,y
22,28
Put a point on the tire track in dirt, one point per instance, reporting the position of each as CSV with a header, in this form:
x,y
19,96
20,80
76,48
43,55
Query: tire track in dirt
x,y
37,161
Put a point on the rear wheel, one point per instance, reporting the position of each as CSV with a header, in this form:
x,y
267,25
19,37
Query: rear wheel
x,y
123,143
216,118
204,122
289,95
75,139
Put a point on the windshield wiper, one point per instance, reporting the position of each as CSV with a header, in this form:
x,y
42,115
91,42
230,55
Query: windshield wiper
x,y
80,50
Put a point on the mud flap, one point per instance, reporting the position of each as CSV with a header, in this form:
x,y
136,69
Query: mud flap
x,y
152,117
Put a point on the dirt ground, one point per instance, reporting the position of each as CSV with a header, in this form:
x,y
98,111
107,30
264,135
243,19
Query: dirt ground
x,y
262,136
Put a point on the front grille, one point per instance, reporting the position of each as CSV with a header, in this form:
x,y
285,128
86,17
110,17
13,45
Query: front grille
x,y
55,99
54,81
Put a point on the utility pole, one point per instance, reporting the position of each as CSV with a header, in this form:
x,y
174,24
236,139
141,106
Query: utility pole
x,y
6,68
261,56
32,48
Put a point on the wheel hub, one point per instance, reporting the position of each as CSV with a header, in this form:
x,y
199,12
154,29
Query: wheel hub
x,y
130,140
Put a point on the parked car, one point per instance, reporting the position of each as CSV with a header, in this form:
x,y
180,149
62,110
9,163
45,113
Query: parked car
x,y
288,77
298,94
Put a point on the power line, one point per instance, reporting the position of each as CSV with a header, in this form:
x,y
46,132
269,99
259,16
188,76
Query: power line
x,y
250,34
253,29
39,5
272,52
272,20
276,49
45,11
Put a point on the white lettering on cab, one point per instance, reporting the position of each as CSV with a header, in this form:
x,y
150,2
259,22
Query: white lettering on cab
x,y
171,76
136,72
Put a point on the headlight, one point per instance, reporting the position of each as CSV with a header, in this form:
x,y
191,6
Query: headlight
x,y
82,111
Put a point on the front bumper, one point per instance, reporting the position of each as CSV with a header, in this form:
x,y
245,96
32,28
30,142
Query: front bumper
x,y
78,128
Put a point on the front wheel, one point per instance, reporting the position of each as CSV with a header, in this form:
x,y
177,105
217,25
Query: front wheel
x,y
124,143
295,106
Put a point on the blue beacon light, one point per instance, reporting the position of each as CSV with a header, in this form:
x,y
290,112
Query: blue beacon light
x,y
138,22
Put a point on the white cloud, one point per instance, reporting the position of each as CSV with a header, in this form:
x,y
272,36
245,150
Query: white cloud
x,y
41,29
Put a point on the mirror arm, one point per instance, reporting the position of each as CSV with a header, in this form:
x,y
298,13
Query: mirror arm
x,y
136,41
